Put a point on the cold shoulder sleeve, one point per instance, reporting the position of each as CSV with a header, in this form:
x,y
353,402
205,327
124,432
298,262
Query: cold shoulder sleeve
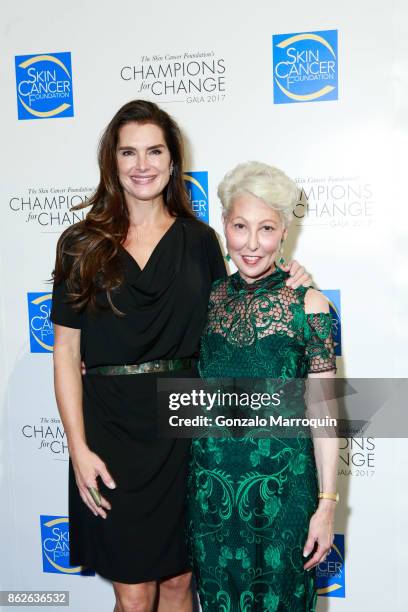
x,y
319,343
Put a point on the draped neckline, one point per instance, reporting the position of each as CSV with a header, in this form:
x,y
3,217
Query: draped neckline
x,y
154,251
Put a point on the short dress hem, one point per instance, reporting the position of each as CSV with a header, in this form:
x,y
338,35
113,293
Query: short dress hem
x,y
139,580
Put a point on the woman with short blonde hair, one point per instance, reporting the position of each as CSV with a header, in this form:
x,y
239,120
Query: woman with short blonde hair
x,y
261,507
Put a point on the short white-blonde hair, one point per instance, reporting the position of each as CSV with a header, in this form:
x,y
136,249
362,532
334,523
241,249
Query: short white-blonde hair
x,y
264,182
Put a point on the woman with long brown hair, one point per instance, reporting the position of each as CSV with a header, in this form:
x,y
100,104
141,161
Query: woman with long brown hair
x,y
131,286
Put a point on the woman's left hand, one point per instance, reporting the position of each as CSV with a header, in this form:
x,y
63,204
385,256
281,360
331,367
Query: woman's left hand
x,y
298,275
320,534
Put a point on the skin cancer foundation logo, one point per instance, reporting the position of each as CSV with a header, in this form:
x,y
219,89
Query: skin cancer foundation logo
x,y
41,328
44,86
305,67
333,296
197,188
330,576
55,547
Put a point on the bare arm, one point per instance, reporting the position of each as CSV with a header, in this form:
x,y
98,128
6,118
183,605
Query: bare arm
x,y
326,450
68,392
326,456
68,384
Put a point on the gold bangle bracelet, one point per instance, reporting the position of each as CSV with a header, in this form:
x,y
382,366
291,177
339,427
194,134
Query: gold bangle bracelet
x,y
333,496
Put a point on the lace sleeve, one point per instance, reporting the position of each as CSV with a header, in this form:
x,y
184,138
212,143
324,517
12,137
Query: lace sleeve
x,y
319,343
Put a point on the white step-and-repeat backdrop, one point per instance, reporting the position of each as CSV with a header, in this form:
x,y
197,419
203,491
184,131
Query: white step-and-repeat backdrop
x,y
316,88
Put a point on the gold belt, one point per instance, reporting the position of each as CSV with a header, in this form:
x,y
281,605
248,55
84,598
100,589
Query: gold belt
x,y
149,367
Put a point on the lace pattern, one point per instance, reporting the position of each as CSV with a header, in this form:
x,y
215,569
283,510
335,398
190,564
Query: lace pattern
x,y
250,500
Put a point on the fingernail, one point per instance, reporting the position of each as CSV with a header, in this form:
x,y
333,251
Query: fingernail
x,y
305,554
111,485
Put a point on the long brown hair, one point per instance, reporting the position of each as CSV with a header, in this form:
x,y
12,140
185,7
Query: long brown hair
x,y
86,251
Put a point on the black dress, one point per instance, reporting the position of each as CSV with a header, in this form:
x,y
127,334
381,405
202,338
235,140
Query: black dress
x,y
143,536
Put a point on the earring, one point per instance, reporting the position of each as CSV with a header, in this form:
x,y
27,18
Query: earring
x,y
228,257
171,169
280,260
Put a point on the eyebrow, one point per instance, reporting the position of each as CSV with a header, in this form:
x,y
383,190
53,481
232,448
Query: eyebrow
x,y
159,146
259,222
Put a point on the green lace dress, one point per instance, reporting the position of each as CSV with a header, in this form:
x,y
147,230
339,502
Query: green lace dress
x,y
250,499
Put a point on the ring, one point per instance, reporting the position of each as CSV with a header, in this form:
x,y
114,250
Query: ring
x,y
96,496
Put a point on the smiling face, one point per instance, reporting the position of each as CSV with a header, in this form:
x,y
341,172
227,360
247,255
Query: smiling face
x,y
254,232
143,161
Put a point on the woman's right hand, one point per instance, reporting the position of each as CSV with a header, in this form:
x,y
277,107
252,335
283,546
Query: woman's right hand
x,y
87,467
